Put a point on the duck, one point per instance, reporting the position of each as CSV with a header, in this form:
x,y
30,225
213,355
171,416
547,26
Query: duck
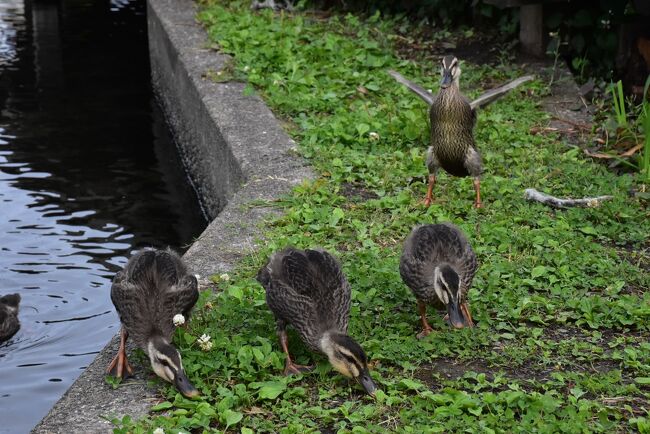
x,y
9,324
438,265
452,118
307,289
148,293
452,132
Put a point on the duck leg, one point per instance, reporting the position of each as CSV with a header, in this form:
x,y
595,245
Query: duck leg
x,y
429,197
290,367
477,187
426,328
120,362
468,316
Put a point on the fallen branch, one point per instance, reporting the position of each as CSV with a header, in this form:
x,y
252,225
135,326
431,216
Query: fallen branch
x,y
555,202
271,4
481,101
625,154
572,123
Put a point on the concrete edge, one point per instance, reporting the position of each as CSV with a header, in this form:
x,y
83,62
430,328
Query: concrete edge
x,y
235,153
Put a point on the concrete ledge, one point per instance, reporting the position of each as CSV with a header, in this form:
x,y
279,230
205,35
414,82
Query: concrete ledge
x,y
235,152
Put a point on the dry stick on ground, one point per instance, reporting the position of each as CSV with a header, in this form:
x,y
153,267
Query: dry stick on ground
x,y
555,202
271,4
481,101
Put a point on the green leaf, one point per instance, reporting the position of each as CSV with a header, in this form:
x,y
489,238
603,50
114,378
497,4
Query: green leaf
x,y
271,389
336,216
410,384
538,271
642,380
232,417
589,230
363,129
162,406
236,292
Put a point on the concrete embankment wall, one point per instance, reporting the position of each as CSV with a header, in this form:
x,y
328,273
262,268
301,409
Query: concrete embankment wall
x,y
236,155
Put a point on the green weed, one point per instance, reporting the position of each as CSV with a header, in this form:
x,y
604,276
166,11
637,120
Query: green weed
x,y
562,308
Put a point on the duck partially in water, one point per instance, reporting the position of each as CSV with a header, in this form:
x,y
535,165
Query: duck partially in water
x,y
9,323
438,264
308,290
153,287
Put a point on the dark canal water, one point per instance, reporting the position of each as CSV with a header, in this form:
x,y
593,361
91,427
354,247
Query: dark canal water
x,y
88,173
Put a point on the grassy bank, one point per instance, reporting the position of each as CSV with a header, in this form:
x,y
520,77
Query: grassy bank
x,y
560,297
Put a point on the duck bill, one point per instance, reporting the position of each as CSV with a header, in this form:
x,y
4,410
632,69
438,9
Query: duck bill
x,y
184,386
446,80
456,318
366,382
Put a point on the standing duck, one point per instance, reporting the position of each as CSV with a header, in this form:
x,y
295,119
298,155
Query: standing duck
x,y
452,132
438,264
308,290
452,118
153,287
9,323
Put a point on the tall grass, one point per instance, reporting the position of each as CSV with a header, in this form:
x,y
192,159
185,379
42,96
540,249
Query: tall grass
x,y
619,103
645,123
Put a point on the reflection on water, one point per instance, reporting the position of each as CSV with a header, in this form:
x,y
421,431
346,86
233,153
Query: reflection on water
x,y
88,173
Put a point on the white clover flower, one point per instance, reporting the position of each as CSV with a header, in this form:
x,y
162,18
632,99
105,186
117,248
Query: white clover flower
x,y
178,319
204,342
430,90
373,135
159,431
225,277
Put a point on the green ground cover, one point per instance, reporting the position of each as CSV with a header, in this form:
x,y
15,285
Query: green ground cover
x,y
560,298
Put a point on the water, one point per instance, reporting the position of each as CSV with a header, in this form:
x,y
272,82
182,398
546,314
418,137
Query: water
x,y
88,173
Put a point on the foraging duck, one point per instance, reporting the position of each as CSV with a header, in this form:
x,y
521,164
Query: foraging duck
x,y
308,290
153,287
9,323
438,264
452,132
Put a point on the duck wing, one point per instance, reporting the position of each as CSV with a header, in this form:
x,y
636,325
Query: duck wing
x,y
182,296
313,281
332,290
431,245
153,287
133,306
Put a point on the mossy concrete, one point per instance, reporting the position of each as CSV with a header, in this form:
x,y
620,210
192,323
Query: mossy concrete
x,y
237,157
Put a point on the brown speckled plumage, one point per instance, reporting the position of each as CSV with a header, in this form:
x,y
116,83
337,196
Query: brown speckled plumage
x,y
153,287
452,136
307,290
429,246
452,132
9,324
